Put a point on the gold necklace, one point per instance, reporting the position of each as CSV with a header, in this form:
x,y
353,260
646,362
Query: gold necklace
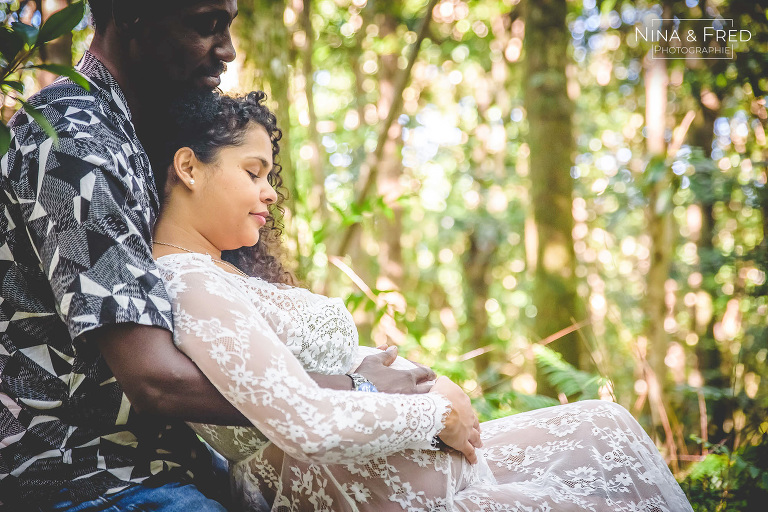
x,y
214,259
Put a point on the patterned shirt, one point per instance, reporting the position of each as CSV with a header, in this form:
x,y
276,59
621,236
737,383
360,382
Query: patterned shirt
x,y
75,226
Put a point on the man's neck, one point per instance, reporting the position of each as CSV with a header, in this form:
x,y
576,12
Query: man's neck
x,y
113,55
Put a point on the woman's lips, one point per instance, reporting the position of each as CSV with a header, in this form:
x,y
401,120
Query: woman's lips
x,y
261,217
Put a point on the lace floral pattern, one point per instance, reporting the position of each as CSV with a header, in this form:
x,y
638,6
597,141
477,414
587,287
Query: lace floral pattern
x,y
315,449
319,331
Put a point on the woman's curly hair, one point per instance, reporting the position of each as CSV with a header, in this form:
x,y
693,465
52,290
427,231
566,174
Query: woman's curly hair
x,y
206,122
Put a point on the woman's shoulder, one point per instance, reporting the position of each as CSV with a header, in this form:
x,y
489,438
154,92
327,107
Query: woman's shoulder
x,y
178,263
178,268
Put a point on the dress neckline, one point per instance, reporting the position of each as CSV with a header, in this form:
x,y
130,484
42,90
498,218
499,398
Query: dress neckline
x,y
207,258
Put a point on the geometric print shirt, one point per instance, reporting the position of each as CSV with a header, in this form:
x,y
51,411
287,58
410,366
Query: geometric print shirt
x,y
76,219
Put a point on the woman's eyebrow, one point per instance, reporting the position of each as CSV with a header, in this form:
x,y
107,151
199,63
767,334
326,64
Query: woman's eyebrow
x,y
261,159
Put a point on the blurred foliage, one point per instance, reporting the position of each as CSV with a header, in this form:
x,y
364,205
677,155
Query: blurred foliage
x,y
20,43
444,264
439,255
726,481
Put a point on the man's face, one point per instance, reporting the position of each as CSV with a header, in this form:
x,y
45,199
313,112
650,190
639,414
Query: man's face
x,y
186,48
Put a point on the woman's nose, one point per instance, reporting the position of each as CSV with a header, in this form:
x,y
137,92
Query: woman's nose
x,y
270,195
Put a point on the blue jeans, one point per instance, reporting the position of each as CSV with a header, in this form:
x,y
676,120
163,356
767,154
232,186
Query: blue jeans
x,y
172,497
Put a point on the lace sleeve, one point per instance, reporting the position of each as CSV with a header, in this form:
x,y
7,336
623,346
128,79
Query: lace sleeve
x,y
219,328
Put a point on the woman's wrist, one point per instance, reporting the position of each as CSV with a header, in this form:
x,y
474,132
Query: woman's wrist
x,y
438,443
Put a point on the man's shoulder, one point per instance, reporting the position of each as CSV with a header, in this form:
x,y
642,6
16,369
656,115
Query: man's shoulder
x,y
60,95
73,112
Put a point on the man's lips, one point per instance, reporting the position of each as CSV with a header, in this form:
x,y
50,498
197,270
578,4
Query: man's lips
x,y
211,81
212,76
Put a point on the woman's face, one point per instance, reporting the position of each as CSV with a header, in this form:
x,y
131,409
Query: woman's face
x,y
234,195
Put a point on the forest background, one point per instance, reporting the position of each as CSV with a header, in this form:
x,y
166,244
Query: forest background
x,y
518,195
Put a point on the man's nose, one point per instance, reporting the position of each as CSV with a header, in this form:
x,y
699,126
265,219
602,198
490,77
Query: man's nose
x,y
225,50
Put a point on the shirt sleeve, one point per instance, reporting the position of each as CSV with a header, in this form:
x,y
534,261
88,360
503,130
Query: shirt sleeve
x,y
218,327
88,212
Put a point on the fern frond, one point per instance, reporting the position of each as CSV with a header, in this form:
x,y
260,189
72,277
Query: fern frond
x,y
564,377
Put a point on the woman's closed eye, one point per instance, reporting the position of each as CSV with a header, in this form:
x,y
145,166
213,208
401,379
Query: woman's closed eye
x,y
259,173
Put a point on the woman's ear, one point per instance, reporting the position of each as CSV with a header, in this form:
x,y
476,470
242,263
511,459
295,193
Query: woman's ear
x,y
184,167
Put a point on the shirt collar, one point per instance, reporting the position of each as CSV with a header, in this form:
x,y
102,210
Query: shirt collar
x,y
93,69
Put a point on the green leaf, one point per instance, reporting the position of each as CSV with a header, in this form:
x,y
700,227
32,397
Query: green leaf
x,y
664,201
564,377
11,43
606,6
40,119
67,71
318,236
656,170
27,33
385,208
13,84
62,22
5,138
533,402
354,300
712,465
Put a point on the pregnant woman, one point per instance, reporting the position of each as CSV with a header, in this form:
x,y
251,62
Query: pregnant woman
x,y
255,336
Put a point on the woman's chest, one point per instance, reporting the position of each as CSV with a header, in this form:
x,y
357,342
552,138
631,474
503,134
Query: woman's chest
x,y
318,330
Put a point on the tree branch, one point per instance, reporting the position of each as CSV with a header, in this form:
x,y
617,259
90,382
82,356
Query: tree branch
x,y
369,168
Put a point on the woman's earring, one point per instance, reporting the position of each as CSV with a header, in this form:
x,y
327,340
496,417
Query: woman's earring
x,y
192,181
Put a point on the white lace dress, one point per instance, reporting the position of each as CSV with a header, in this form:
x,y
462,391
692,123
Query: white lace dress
x,y
318,449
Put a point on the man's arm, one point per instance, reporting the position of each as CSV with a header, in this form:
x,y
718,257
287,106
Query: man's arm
x,y
159,379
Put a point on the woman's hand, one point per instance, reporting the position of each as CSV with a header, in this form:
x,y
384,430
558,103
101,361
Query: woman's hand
x,y
462,428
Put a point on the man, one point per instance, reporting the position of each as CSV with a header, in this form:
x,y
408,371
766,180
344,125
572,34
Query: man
x,y
93,394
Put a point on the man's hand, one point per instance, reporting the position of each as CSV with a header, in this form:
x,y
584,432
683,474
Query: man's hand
x,y
387,380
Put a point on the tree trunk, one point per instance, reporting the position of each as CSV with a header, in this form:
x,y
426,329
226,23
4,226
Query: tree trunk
x,y
551,143
708,354
477,264
657,215
390,170
660,230
658,212
316,199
